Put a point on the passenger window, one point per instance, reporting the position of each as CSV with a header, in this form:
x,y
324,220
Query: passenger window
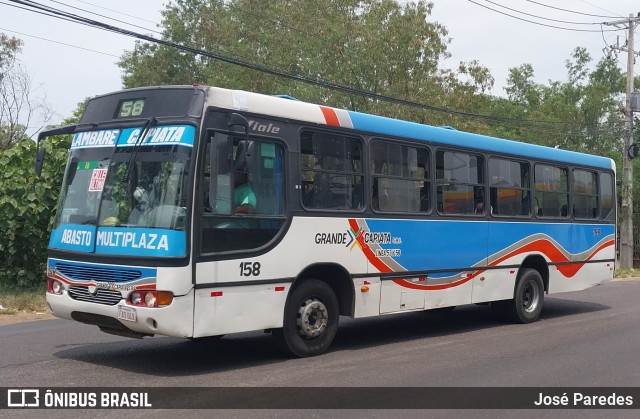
x,y
585,194
509,188
399,178
460,183
551,191
606,195
331,171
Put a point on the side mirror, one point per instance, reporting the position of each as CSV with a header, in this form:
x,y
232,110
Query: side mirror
x,y
40,153
237,119
40,160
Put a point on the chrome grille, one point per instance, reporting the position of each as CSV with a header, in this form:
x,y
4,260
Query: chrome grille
x,y
89,273
102,296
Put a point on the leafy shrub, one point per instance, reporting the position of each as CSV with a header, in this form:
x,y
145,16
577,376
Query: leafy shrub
x,y
27,210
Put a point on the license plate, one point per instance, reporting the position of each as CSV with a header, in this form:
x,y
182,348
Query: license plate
x,y
126,313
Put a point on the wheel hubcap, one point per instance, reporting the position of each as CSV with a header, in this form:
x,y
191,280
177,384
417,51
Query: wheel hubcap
x,y
530,297
312,319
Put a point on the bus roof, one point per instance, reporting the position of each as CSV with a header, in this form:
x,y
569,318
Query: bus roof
x,y
302,111
452,137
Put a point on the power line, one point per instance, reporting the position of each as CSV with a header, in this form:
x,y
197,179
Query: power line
x,y
66,44
598,7
542,17
58,42
34,11
534,22
278,73
107,17
116,11
572,11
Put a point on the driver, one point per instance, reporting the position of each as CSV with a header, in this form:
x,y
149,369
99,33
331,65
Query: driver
x,y
244,199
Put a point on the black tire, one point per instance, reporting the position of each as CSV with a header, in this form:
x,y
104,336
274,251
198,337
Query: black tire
x,y
528,297
310,319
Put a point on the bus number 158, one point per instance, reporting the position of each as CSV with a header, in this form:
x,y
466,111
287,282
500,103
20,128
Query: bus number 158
x,y
249,268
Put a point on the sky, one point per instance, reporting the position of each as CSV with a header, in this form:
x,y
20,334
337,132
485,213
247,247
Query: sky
x,y
69,62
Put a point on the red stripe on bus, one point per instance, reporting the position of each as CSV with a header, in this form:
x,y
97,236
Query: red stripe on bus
x,y
330,116
375,261
546,247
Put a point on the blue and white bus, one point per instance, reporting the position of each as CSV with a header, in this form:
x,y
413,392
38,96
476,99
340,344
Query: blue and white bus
x,y
196,211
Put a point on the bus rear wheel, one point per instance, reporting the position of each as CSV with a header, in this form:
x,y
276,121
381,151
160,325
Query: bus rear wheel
x,y
526,305
310,319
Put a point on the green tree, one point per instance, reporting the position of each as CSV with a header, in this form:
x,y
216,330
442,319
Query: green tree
x,y
27,202
27,208
580,114
381,46
521,88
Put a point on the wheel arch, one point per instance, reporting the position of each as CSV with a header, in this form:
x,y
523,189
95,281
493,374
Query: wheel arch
x,y
337,277
538,263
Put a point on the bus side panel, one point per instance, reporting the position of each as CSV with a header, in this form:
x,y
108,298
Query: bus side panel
x,y
367,297
594,244
239,309
564,246
395,297
496,284
591,274
241,303
397,246
509,244
447,297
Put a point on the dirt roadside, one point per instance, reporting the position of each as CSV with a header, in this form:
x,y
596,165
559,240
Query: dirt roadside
x,y
24,316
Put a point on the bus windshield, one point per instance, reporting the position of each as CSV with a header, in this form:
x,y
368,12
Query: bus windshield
x,y
115,199
152,192
81,191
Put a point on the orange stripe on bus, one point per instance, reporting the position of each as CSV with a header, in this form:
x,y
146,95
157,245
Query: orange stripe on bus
x,y
330,116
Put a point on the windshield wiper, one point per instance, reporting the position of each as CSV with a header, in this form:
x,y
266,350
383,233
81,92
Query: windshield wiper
x,y
136,147
148,124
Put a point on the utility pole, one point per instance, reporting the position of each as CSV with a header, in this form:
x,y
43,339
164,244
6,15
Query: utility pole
x,y
626,211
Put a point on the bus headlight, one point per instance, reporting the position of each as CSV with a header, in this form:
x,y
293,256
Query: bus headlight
x,y
136,298
150,298
54,286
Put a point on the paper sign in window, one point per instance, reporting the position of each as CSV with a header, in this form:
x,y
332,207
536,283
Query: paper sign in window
x,y
97,180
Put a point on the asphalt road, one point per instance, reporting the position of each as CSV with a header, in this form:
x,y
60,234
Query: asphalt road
x,y
589,338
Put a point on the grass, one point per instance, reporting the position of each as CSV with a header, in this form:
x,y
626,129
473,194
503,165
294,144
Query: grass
x,y
627,273
33,301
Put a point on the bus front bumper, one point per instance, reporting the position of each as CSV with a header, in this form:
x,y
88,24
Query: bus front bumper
x,y
123,319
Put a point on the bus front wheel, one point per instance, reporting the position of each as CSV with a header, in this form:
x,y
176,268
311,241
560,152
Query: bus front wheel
x,y
526,305
310,319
